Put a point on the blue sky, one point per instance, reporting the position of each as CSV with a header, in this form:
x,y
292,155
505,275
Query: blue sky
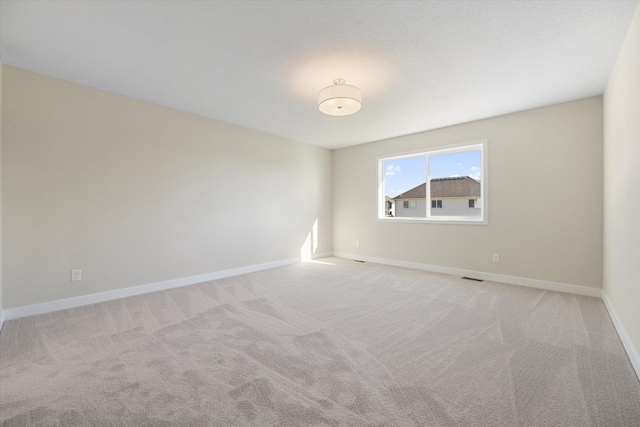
x,y
404,174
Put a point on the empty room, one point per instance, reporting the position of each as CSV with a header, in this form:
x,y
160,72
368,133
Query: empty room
x,y
329,213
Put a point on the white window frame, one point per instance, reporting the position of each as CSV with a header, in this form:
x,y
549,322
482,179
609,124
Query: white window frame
x,y
479,145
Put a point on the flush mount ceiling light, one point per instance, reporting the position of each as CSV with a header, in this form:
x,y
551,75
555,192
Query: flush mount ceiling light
x,y
340,99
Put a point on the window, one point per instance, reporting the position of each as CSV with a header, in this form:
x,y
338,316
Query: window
x,y
444,184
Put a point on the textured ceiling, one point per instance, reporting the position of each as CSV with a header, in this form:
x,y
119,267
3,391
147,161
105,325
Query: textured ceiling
x,y
420,65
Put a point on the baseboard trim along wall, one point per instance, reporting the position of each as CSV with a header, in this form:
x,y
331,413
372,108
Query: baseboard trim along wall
x,y
63,304
48,307
622,333
512,280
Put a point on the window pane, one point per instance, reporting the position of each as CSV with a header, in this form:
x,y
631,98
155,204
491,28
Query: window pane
x,y
456,183
452,177
405,187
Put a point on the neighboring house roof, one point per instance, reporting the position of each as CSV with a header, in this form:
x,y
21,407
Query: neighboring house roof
x,y
460,186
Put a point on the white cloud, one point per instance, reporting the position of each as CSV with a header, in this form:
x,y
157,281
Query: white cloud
x,y
454,176
475,168
392,169
459,164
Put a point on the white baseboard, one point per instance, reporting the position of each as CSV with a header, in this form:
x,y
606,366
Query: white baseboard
x,y
322,255
512,280
316,256
63,304
622,333
51,306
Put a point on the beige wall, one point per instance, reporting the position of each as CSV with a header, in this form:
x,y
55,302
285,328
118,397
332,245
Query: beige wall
x,y
545,198
622,185
134,193
1,306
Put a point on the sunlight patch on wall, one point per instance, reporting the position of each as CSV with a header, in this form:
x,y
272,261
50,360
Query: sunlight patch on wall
x,y
305,250
315,236
310,245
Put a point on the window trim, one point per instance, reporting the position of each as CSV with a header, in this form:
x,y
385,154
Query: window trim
x,y
482,145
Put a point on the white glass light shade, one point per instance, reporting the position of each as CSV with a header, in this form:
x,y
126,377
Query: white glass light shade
x,y
340,99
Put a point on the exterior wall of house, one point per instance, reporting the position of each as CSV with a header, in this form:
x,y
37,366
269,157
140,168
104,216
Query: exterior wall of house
x,y
419,211
450,207
457,207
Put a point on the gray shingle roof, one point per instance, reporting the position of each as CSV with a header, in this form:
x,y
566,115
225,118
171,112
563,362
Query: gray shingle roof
x,y
460,186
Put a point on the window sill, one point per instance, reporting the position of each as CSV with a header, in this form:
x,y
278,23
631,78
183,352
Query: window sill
x,y
457,221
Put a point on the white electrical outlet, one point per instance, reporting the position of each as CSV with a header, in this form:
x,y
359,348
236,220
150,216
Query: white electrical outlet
x,y
496,257
76,275
357,243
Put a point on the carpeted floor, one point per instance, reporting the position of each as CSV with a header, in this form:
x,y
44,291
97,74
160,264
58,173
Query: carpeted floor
x,y
328,343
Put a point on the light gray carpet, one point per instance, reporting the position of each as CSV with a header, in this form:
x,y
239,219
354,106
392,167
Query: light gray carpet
x,y
328,343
